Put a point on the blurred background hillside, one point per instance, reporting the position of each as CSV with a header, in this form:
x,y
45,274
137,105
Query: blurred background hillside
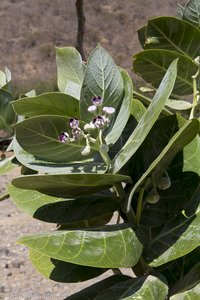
x,y
29,30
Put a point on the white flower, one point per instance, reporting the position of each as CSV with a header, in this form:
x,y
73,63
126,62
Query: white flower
x,y
76,133
64,137
99,122
73,122
92,108
109,110
97,100
89,126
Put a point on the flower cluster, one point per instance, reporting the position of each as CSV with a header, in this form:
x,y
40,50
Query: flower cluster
x,y
99,121
101,118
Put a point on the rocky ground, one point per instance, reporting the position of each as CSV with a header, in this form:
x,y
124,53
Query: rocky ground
x,y
28,32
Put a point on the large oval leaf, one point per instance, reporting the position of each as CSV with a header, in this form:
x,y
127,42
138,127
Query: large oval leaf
x,y
151,65
39,136
44,166
69,185
47,104
113,246
102,78
62,271
175,35
147,121
70,71
58,210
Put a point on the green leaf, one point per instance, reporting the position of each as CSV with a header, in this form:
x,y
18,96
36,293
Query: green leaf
x,y
92,291
191,12
63,211
6,110
175,35
112,246
192,294
178,237
6,165
39,136
124,112
148,287
147,121
69,185
102,78
47,104
44,166
3,80
70,71
61,271
180,11
151,65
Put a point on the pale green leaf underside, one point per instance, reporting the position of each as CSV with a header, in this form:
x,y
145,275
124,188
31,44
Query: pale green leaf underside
x,y
147,121
70,70
113,246
7,165
191,12
191,154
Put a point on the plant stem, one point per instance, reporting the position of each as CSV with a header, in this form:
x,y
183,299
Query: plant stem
x,y
139,206
196,94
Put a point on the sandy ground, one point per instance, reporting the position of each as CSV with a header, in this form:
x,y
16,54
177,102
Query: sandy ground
x,y
28,32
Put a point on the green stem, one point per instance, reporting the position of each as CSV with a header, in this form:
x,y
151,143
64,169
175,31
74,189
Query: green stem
x,y
196,94
139,206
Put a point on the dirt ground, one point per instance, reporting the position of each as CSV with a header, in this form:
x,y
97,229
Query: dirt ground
x,y
29,30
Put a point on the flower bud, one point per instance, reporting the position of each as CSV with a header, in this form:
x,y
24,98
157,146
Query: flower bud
x,y
76,133
104,148
92,108
99,122
153,197
164,183
73,122
109,110
86,151
64,137
89,127
97,100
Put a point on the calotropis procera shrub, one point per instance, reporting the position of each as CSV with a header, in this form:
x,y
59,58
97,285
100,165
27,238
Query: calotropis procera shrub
x,y
98,148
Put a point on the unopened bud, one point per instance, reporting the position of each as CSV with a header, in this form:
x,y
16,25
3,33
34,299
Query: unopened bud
x,y
164,183
86,151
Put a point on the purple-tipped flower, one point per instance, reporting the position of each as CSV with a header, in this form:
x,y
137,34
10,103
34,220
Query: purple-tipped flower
x,y
64,137
92,108
109,110
97,100
73,123
76,133
99,122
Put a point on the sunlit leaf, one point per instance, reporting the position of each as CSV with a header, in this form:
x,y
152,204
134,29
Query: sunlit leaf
x,y
112,246
192,294
70,71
